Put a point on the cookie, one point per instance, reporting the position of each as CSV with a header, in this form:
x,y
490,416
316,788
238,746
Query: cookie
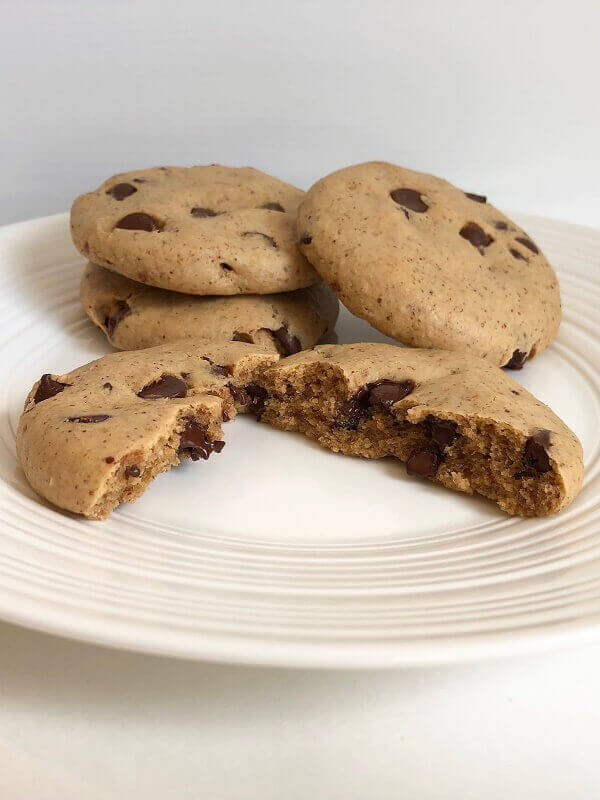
x,y
97,436
200,230
429,264
454,419
135,316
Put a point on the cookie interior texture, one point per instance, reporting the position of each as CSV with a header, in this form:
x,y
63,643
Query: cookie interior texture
x,y
429,264
135,316
97,436
492,437
206,230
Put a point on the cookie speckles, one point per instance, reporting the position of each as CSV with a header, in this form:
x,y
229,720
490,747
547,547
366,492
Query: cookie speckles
x,y
139,221
475,235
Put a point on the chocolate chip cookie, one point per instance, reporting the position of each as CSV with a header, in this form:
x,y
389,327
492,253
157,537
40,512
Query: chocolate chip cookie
x,y
200,230
451,418
429,264
135,316
97,436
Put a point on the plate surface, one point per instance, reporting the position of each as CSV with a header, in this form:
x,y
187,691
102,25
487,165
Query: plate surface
x,y
278,552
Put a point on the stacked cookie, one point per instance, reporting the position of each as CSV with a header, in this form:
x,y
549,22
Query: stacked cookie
x,y
204,252
234,271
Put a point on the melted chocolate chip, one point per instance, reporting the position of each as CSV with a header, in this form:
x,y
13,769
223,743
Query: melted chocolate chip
x,y
258,398
122,310
409,198
268,239
138,221
517,360
306,238
444,432
474,234
216,369
500,225
535,456
201,213
527,243
424,462
478,198
122,190
107,386
515,253
385,393
47,388
194,441
166,386
226,267
109,460
238,394
240,336
273,207
353,410
132,471
89,418
286,342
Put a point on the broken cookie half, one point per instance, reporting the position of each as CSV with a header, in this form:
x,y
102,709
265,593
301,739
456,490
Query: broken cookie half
x,y
97,436
451,418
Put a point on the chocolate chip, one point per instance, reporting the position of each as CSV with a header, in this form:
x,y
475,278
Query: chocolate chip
x,y
424,461
138,221
306,238
122,190
353,411
226,267
474,234
527,243
194,441
109,460
240,336
89,418
47,388
286,342
444,432
122,310
107,386
268,239
500,225
385,393
409,198
132,471
166,386
518,255
258,398
216,369
200,212
535,457
517,360
273,207
479,198
238,394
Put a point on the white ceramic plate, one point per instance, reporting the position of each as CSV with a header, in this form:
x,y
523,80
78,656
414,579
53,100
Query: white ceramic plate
x,y
279,552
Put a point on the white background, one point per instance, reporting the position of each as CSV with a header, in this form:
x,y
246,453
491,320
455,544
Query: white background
x,y
500,97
